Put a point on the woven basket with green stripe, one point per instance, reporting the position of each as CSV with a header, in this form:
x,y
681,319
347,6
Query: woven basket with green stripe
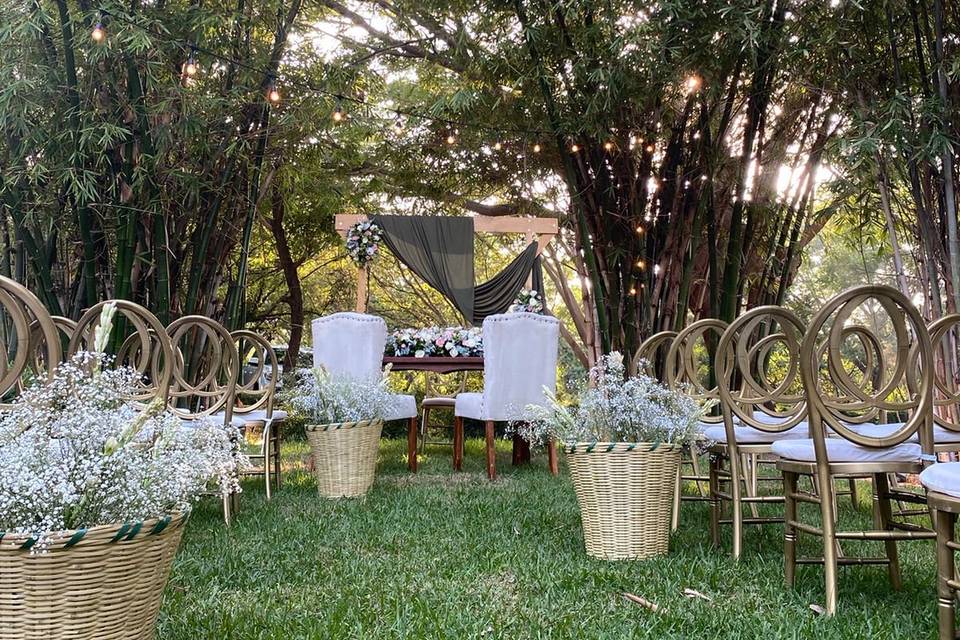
x,y
104,582
345,457
625,491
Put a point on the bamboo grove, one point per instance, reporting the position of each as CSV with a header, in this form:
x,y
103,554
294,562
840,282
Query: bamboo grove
x,y
692,150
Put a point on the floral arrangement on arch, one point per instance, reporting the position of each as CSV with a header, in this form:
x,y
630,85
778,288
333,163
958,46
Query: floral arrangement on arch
x,y
435,342
363,242
612,407
527,301
76,453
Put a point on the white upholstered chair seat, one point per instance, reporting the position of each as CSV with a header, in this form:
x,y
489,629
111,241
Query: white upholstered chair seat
x,y
840,450
940,434
403,408
469,405
752,435
943,477
217,418
256,416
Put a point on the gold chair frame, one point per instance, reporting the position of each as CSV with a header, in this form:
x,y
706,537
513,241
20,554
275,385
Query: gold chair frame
x,y
832,408
263,399
32,326
744,385
680,369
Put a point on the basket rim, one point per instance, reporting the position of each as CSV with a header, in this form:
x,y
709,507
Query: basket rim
x,y
619,447
339,426
68,538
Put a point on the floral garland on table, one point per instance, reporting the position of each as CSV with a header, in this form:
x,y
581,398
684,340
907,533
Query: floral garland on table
x,y
527,301
435,342
363,242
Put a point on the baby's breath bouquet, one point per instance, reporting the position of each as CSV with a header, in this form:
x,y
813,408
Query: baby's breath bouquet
x,y
325,398
76,453
617,408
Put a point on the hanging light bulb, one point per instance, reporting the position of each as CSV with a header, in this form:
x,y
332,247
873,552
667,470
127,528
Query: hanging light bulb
x,y
273,95
190,67
338,114
649,148
398,124
608,145
574,148
497,146
98,34
451,138
692,83
536,147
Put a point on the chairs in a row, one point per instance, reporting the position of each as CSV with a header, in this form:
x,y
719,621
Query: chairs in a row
x,y
520,362
194,364
831,400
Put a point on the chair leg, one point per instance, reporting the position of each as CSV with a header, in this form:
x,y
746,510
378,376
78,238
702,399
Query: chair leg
x,y
552,461
277,453
266,460
695,464
227,509
829,527
737,486
789,531
883,515
424,423
853,492
457,443
675,516
944,522
715,499
521,450
412,445
491,451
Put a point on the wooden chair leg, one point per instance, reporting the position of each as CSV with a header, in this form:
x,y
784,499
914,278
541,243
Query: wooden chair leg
x,y
883,515
424,424
412,445
715,499
457,443
491,451
552,461
521,450
829,527
227,509
944,522
790,487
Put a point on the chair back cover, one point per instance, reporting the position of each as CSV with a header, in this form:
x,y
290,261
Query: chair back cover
x,y
519,360
350,344
902,389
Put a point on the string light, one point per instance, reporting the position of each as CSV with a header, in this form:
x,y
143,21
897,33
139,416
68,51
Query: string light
x,y
338,114
640,230
190,66
641,265
536,147
608,145
451,138
649,148
497,146
692,83
398,124
633,291
574,148
98,34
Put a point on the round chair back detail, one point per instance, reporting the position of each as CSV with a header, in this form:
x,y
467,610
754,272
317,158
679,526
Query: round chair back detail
x,y
685,362
206,370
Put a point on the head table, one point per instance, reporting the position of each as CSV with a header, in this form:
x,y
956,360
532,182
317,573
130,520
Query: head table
x,y
435,364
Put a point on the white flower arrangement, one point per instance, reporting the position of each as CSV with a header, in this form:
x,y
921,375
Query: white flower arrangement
x,y
363,242
527,301
435,342
325,398
615,408
75,454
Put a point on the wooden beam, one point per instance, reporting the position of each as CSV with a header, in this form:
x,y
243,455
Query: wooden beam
x,y
481,224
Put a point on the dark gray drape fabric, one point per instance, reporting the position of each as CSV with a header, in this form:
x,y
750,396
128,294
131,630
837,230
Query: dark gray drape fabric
x,y
439,250
498,293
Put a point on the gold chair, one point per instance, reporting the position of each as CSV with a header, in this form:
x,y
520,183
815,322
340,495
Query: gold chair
x,y
689,362
762,401
256,387
861,450
139,341
204,382
942,482
29,341
944,336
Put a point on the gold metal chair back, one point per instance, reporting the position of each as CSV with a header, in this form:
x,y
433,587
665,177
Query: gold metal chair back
x,y
205,371
38,345
646,359
758,370
19,311
945,337
898,389
256,385
139,341
690,363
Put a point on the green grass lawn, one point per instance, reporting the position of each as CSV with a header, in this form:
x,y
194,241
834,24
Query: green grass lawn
x,y
445,555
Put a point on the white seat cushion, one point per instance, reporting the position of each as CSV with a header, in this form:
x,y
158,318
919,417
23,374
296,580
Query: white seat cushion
x,y
752,435
945,436
235,419
469,405
403,408
215,420
260,415
840,450
943,477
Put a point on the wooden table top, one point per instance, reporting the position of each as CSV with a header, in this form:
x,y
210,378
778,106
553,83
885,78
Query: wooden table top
x,y
436,364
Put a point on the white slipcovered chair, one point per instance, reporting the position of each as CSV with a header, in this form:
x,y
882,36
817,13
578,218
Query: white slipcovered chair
x,y
352,344
519,362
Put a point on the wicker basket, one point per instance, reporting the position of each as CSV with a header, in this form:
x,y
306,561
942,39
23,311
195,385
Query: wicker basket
x,y
345,456
625,492
104,582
